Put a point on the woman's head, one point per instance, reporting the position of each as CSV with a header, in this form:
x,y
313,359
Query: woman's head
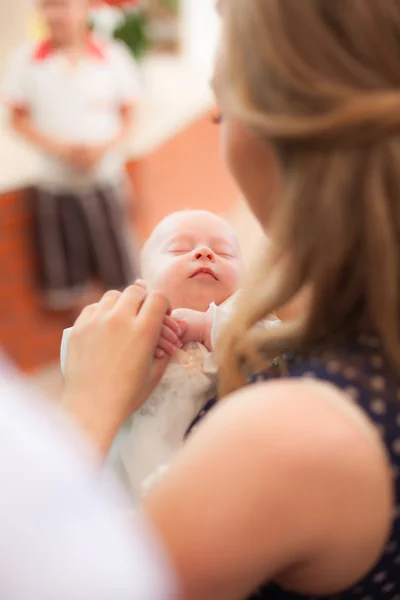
x,y
310,96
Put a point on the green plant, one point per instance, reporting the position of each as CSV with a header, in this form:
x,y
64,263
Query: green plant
x,y
133,32
172,5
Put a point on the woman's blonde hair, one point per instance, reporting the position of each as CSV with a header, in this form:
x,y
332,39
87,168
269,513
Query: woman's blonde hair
x,y
320,81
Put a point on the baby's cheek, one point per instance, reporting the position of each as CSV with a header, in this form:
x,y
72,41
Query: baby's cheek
x,y
173,275
161,277
170,279
232,276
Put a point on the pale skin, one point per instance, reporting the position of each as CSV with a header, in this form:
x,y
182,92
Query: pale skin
x,y
286,481
194,258
67,21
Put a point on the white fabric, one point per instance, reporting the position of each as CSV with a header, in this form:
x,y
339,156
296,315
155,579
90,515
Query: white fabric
x,y
157,431
220,316
74,104
64,529
153,435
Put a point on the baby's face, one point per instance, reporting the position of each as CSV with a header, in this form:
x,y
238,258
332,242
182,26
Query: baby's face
x,y
195,260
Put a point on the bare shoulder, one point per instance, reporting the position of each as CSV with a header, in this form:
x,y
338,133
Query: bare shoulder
x,y
299,410
295,470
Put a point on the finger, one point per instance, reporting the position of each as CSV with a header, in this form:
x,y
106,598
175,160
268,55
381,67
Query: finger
x,y
109,300
141,283
131,300
86,314
153,313
171,323
182,326
166,346
170,336
159,353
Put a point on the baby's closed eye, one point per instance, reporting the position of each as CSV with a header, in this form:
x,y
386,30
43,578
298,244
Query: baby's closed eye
x,y
179,247
225,252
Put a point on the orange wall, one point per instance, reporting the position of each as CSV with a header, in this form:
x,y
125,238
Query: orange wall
x,y
187,172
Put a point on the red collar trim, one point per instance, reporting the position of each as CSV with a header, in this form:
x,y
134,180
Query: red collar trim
x,y
47,48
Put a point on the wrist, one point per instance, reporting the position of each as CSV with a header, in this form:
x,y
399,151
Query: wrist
x,y
100,428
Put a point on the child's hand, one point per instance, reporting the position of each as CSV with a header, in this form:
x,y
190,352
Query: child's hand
x,y
170,338
194,324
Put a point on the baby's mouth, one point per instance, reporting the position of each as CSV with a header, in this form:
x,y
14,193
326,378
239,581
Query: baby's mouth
x,y
205,272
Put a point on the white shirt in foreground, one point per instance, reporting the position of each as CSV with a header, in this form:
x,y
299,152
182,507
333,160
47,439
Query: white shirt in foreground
x,y
64,529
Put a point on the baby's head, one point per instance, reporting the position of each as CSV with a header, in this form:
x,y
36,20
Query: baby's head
x,y
193,256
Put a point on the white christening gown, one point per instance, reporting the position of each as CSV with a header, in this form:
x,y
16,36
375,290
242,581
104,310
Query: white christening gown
x,y
147,442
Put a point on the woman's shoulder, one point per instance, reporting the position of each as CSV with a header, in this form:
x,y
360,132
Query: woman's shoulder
x,y
331,461
292,409
314,472
339,457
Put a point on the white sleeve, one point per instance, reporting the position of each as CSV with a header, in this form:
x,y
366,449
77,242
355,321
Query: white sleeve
x,y
15,87
221,314
64,529
64,346
126,73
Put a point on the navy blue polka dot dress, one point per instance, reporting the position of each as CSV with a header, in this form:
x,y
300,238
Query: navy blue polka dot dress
x,y
359,368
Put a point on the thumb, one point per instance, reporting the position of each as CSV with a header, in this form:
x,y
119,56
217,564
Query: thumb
x,y
152,314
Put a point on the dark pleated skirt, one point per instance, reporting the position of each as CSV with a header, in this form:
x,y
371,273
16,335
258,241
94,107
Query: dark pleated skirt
x,y
81,238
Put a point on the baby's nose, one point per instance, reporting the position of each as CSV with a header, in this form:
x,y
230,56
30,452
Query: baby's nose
x,y
203,252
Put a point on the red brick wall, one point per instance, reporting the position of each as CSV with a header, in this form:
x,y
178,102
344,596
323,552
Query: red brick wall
x,y
187,172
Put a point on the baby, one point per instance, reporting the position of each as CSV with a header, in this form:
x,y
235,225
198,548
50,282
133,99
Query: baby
x,y
194,258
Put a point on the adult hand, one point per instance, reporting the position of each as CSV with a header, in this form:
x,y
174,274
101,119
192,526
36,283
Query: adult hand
x,y
171,332
110,368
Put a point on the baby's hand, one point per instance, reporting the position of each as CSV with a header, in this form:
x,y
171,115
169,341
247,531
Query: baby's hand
x,y
170,337
182,327
194,324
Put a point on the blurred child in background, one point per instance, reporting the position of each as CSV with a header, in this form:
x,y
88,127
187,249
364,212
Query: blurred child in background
x,y
72,96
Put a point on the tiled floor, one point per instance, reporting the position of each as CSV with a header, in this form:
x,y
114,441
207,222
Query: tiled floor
x,y
250,237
